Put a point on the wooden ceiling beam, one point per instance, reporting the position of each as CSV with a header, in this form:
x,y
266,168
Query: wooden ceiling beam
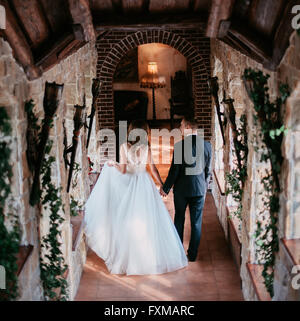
x,y
261,47
235,43
132,6
151,21
246,41
21,49
199,5
59,50
117,6
101,5
159,6
82,20
33,21
264,15
57,15
282,35
220,10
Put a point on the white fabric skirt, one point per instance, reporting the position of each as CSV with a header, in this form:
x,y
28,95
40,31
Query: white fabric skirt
x,y
128,225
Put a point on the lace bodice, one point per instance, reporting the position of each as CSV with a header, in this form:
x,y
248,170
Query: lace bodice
x,y
134,156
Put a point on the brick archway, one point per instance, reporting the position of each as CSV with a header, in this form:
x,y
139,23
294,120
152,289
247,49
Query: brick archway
x,y
117,46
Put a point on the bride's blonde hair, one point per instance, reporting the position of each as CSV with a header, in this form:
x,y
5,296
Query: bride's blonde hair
x,y
138,124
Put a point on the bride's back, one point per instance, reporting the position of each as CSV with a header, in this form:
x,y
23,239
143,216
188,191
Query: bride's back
x,y
135,156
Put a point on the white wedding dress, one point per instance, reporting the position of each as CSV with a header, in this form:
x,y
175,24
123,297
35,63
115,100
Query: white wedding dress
x,y
126,222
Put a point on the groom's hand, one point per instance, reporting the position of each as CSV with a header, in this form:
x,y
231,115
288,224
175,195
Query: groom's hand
x,y
162,192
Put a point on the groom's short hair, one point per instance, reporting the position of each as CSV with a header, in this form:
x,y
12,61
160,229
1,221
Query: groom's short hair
x,y
191,121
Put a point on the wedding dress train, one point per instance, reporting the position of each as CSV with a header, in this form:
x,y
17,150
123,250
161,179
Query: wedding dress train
x,y
127,223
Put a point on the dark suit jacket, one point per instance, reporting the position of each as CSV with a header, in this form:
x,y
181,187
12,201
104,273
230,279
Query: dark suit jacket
x,y
190,168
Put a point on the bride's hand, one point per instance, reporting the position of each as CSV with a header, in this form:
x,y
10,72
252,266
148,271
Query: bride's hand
x,y
162,192
111,163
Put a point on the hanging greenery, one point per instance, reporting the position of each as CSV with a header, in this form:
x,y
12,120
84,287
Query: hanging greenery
x,y
272,130
74,204
9,237
236,179
76,170
91,164
52,262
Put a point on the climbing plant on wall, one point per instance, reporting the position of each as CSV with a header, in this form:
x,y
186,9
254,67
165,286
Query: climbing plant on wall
x,y
236,179
75,206
269,116
52,262
9,236
76,171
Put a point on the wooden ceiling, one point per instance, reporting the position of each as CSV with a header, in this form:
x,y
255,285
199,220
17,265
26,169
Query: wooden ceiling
x,y
42,32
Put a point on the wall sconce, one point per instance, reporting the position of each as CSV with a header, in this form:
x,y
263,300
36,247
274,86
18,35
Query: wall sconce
x,y
214,89
249,87
65,142
79,121
95,92
52,98
153,80
230,115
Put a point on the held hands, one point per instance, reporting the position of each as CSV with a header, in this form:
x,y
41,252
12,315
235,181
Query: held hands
x,y
111,163
161,191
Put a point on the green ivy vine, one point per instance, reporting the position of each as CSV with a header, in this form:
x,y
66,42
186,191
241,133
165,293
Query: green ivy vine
x,y
236,179
9,237
272,130
76,171
52,262
75,206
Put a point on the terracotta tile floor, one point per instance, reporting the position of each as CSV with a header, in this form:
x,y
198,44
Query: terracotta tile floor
x,y
212,277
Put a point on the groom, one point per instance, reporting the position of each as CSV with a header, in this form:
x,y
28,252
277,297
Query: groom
x,y
189,173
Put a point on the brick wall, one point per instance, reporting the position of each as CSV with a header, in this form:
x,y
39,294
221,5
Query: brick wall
x,y
191,43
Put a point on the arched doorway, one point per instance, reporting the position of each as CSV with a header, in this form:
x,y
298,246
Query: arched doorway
x,y
117,49
133,101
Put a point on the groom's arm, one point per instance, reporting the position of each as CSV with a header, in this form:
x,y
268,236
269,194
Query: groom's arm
x,y
172,176
208,161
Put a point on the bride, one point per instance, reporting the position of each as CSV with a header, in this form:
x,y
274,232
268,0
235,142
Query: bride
x,y
126,221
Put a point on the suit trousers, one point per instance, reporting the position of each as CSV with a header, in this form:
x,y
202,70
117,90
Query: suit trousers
x,y
196,205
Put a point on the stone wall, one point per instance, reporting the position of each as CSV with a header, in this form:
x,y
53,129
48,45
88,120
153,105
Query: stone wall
x,y
289,71
76,73
229,65
289,218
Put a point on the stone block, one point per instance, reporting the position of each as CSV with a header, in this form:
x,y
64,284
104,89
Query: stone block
x,y
70,94
295,121
5,49
296,181
296,222
2,68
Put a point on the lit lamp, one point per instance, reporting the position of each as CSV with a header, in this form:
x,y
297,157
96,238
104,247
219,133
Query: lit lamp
x,y
153,80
